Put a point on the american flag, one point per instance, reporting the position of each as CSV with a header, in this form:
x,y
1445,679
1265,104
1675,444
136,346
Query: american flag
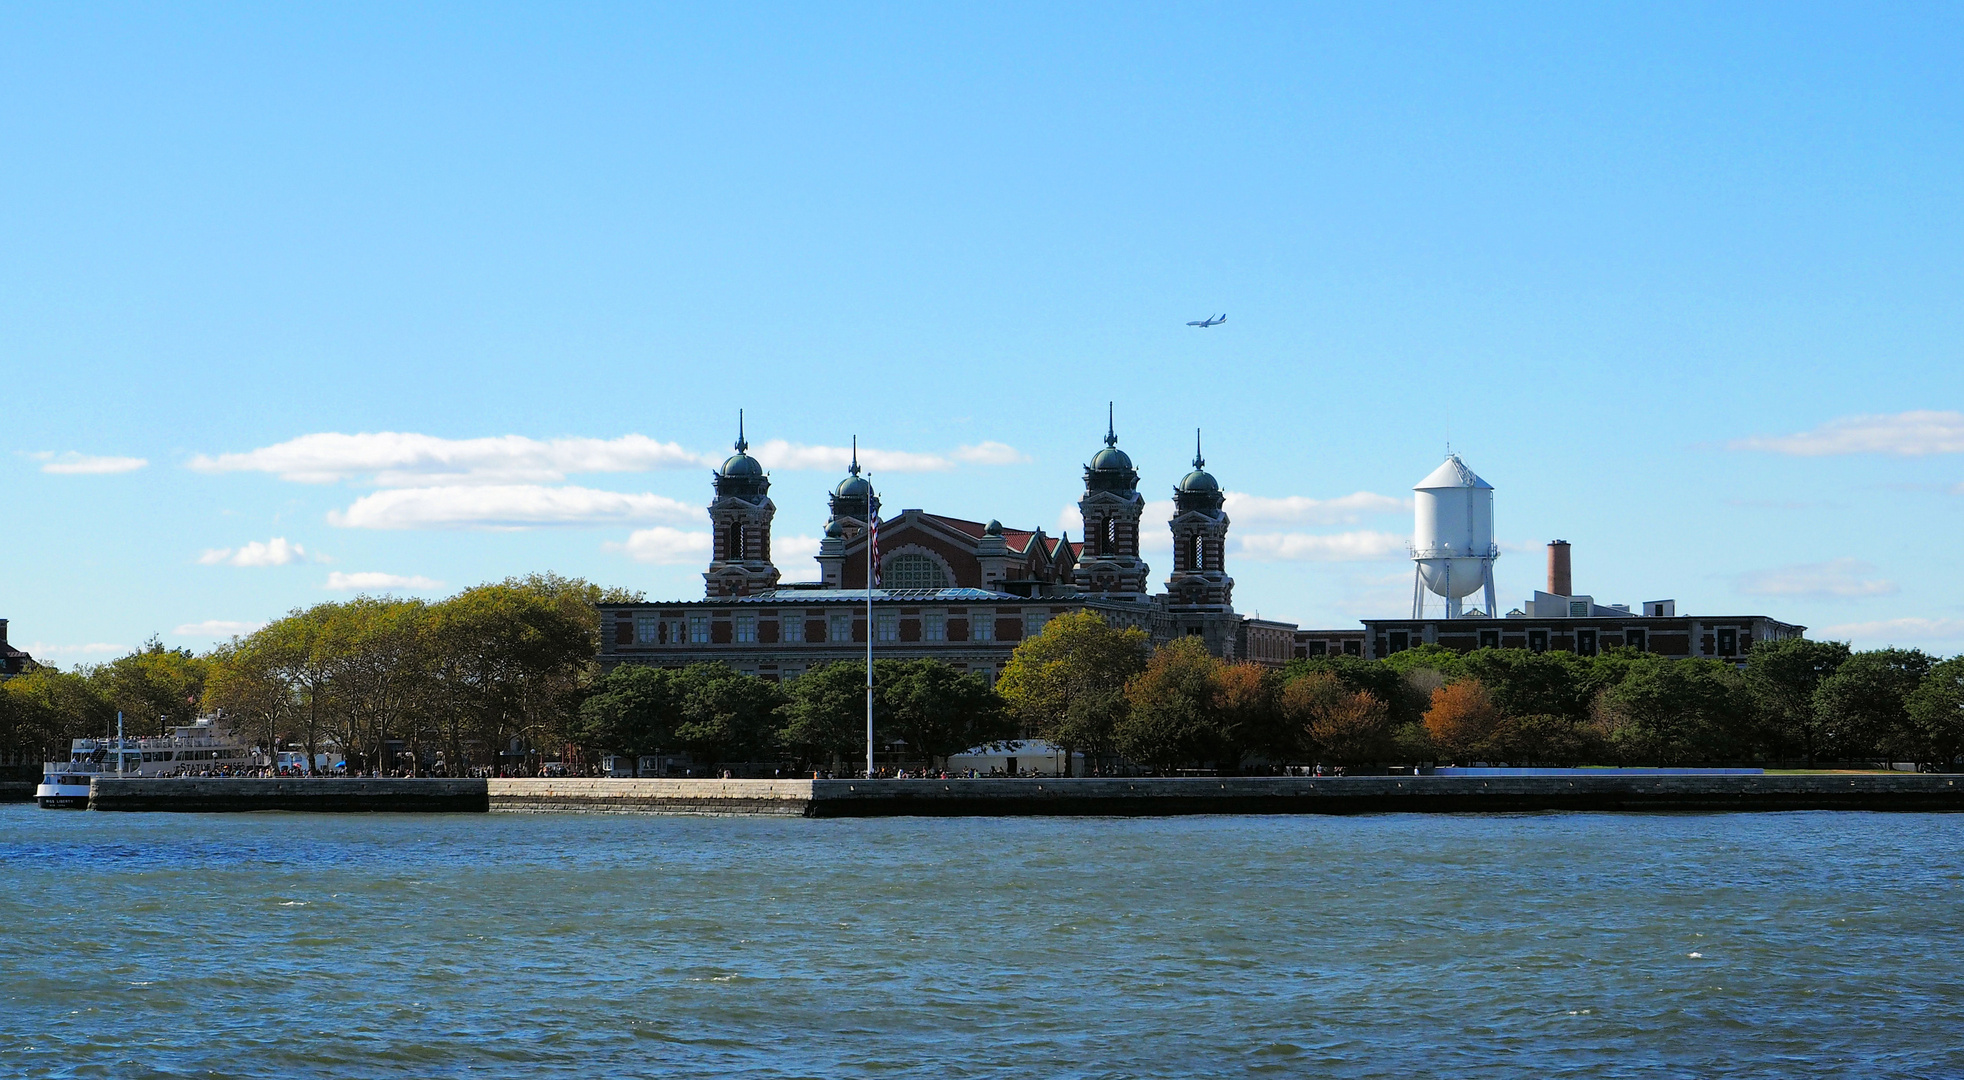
x,y
875,515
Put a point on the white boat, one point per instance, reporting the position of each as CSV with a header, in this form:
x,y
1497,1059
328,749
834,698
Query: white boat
x,y
192,748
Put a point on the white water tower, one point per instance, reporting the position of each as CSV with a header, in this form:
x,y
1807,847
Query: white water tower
x,y
1452,537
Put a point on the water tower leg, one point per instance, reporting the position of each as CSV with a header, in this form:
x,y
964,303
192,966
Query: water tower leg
x,y
1486,573
1418,592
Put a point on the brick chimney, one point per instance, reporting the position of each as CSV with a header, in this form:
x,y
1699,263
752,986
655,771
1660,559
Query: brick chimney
x,y
1559,581
3,633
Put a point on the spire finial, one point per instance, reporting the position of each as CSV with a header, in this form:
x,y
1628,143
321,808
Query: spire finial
x,y
1111,429
1198,461
742,443
854,467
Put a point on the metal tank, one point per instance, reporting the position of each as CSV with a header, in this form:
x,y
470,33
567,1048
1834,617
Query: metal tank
x,y
1452,537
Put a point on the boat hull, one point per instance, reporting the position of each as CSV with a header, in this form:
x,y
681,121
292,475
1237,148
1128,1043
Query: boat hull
x,y
62,796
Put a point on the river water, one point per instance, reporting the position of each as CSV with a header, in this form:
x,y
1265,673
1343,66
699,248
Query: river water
x,y
1599,945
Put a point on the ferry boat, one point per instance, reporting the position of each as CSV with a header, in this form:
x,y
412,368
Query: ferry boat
x,y
189,748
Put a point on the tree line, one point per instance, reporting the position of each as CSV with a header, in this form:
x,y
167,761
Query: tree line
x,y
1094,688
505,674
459,680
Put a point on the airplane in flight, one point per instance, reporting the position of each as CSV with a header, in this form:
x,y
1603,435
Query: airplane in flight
x,y
1204,323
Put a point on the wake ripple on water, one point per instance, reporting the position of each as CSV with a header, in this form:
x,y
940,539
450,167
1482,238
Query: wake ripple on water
x,y
513,946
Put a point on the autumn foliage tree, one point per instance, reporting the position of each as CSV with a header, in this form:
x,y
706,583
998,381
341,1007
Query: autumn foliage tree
x,y
1462,718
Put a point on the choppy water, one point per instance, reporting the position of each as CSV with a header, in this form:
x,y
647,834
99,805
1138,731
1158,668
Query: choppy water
x,y
136,945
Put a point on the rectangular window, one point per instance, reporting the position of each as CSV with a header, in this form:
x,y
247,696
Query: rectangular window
x,y
746,628
698,629
1490,639
1033,623
1578,609
1316,648
1353,647
1400,641
1585,643
647,629
1537,641
794,628
982,626
1728,642
934,626
1635,640
841,628
889,624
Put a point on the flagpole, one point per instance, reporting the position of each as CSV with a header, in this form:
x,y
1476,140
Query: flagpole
x,y
872,541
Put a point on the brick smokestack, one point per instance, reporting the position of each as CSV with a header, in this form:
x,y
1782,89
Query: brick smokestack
x,y
1559,581
3,633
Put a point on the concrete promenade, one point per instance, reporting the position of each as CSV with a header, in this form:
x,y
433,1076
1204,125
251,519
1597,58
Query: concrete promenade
x,y
1048,797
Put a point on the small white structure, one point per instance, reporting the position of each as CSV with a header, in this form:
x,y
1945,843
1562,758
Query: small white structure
x,y
1452,537
1020,757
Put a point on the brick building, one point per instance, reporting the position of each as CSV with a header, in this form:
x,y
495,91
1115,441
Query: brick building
x,y
958,590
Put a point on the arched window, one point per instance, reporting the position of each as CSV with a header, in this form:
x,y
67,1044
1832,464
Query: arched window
x,y
1199,553
913,570
1111,536
736,540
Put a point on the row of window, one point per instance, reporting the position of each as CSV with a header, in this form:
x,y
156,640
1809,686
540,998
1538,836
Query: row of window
x,y
1727,642
650,629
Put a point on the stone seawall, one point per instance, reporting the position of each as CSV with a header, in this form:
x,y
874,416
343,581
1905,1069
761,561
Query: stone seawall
x,y
200,794
1047,797
16,791
1382,794
776,798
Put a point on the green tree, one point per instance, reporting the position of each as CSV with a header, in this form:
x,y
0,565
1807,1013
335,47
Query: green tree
x,y
1171,718
938,710
1524,683
1936,713
1864,705
726,716
154,688
43,708
1067,684
511,660
823,718
1782,676
1671,712
245,685
632,710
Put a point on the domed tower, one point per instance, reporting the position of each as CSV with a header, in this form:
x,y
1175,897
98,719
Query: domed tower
x,y
1199,581
740,519
1110,567
853,505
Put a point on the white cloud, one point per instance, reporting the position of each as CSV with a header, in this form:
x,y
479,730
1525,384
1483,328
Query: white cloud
x,y
1903,632
779,454
507,506
403,459
43,650
991,453
274,552
406,459
216,628
1245,509
786,549
1357,546
70,463
661,544
369,579
1910,434
1836,579
794,556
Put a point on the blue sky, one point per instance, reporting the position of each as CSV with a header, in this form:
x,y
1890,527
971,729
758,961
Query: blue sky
x,y
296,302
